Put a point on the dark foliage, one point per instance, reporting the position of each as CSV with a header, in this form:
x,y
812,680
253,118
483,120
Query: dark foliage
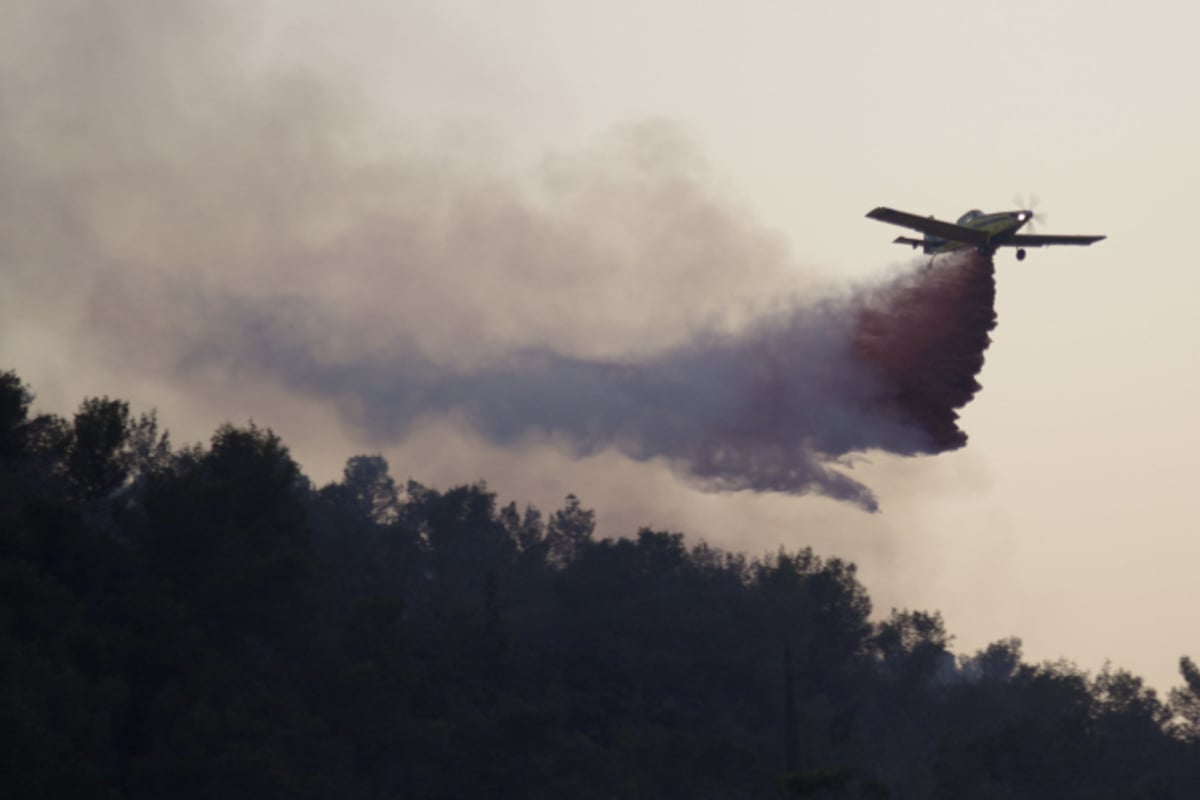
x,y
205,623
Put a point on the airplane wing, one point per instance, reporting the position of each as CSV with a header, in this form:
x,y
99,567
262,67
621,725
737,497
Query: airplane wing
x,y
1041,240
934,227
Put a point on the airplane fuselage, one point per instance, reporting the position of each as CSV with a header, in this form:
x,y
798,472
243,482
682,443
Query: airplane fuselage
x,y
998,227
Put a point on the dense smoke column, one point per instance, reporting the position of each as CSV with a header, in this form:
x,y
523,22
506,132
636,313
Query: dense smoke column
x,y
925,335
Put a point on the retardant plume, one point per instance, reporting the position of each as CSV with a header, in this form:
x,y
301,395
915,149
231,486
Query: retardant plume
x,y
925,335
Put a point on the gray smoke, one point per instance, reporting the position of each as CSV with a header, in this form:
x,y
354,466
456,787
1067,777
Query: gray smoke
x,y
194,212
768,408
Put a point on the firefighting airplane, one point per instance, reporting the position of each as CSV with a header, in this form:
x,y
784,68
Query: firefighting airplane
x,y
984,232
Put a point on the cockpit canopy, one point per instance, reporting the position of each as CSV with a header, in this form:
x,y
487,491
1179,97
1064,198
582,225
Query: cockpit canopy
x,y
970,215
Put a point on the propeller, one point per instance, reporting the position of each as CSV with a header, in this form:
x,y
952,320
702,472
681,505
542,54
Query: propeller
x,y
1029,203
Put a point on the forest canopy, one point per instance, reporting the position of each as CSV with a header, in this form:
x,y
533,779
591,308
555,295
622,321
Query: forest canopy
x,y
204,621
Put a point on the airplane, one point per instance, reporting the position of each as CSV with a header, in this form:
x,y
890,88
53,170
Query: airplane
x,y
984,232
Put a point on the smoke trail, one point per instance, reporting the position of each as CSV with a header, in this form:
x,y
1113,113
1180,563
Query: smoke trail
x,y
203,221
774,407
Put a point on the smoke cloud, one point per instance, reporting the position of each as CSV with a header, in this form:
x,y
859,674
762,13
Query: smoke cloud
x,y
773,407
196,218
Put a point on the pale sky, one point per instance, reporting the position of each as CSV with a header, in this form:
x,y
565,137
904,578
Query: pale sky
x,y
1067,521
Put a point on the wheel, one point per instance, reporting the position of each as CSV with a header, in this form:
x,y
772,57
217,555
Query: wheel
x,y
1021,254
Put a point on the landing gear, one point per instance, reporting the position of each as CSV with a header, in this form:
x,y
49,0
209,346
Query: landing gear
x,y
1020,254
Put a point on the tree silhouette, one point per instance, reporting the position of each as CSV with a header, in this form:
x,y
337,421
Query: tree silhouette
x,y
203,622
1185,701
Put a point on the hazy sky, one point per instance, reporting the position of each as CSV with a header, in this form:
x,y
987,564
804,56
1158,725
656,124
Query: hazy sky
x,y
196,193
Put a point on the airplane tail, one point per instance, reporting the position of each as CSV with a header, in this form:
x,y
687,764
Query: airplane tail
x,y
927,244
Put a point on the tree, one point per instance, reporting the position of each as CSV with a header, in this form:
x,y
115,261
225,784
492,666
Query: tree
x,y
148,451
464,537
527,530
230,528
999,661
98,462
914,646
373,489
1185,701
569,531
14,410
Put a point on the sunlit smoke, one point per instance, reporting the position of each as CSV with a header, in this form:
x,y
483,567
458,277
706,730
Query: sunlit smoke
x,y
192,218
